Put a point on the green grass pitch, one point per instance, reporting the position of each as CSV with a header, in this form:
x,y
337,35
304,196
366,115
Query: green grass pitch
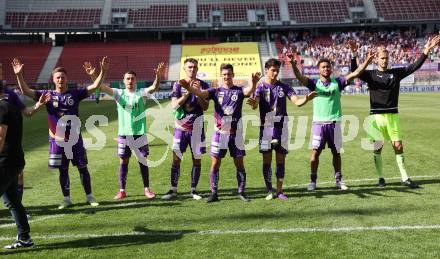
x,y
363,222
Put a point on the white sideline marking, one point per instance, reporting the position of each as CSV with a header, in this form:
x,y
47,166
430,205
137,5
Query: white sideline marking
x,y
34,220
292,185
236,232
121,205
364,180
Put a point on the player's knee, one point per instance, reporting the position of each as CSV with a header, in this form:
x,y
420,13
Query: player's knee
x,y
335,152
176,161
197,162
124,161
215,164
240,169
314,157
398,148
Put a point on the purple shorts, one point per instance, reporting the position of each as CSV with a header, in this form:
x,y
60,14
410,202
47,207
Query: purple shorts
x,y
329,133
220,143
183,139
274,138
58,158
137,143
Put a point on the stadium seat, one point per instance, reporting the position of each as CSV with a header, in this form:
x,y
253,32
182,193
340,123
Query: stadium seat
x,y
408,9
141,57
69,18
32,55
158,15
318,11
236,12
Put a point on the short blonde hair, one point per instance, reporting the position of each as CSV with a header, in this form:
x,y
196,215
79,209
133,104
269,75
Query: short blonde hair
x,y
382,49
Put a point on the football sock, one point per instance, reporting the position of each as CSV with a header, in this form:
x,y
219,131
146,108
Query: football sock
x,y
123,171
401,164
85,179
267,176
64,181
378,164
195,176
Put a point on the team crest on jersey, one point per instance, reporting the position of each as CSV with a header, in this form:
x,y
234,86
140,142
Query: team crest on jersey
x,y
281,93
234,97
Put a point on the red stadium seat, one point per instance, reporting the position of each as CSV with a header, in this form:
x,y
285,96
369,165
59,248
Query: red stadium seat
x,y
158,16
408,9
318,11
32,55
237,12
71,18
141,57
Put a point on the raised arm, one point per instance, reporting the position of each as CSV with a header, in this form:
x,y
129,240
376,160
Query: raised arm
x,y
362,68
248,91
18,70
155,86
300,102
291,58
91,71
105,64
193,89
353,47
29,111
419,62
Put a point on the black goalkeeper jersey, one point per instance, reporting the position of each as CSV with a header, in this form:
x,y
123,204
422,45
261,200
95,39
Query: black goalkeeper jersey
x,y
384,86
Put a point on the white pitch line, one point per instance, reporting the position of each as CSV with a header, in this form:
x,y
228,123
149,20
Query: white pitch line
x,y
237,232
121,205
292,185
35,220
364,180
312,230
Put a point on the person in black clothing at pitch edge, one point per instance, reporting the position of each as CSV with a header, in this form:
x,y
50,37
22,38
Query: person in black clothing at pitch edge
x,y
12,163
384,86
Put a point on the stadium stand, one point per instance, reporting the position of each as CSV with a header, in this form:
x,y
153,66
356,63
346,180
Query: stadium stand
x,y
175,13
354,3
403,46
141,57
318,11
154,15
68,18
408,9
53,14
74,16
236,11
32,55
